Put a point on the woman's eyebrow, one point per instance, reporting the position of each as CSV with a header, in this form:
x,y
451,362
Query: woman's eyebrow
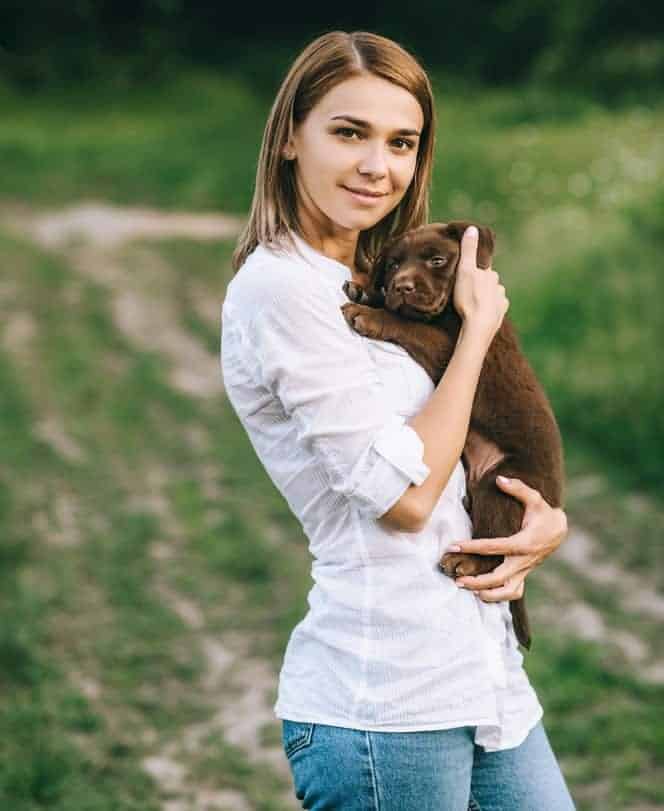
x,y
367,126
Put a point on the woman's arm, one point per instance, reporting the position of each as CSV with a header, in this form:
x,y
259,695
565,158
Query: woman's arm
x,y
443,430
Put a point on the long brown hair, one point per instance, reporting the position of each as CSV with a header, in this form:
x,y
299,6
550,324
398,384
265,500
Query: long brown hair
x,y
324,63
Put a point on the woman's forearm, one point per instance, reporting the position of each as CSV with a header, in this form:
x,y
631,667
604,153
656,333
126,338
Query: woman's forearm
x,y
442,425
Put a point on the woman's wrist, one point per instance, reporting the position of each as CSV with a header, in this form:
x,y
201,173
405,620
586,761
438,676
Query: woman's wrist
x,y
475,334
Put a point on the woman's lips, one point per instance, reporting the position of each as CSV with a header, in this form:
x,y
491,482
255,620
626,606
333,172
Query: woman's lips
x,y
369,199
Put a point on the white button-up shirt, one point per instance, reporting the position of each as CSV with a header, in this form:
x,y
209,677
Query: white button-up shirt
x,y
389,642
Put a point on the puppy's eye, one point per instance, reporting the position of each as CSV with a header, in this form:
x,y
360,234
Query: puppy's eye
x,y
438,261
392,264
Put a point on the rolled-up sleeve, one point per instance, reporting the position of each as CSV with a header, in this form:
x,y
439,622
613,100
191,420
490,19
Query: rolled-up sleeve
x,y
326,381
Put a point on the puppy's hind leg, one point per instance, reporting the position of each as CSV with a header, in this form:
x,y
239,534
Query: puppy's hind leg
x,y
494,514
500,516
479,503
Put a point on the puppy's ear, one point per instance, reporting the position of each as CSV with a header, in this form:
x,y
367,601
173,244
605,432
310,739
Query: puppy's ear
x,y
374,287
486,242
377,272
485,246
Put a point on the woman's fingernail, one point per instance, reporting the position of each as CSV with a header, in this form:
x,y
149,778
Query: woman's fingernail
x,y
454,548
503,479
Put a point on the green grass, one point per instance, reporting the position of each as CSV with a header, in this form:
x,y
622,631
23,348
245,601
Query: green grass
x,y
600,723
592,325
138,146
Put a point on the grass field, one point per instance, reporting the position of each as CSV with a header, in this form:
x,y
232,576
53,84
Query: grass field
x,y
150,572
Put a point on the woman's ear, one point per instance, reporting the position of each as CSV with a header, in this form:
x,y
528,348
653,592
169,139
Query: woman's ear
x,y
288,152
486,242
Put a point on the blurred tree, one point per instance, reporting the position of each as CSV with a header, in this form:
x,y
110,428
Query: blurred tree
x,y
606,42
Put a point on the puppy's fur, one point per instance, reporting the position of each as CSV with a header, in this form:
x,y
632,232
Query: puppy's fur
x,y
407,299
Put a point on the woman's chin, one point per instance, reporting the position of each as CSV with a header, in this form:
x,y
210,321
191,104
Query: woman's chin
x,y
359,221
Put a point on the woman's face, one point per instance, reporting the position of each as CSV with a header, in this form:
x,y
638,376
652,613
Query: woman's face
x,y
363,135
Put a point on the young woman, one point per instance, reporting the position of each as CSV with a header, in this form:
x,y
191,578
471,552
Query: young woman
x,y
399,690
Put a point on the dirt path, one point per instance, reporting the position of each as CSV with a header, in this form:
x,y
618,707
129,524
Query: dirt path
x,y
89,236
106,225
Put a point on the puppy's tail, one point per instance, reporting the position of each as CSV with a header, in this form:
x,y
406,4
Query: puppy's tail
x,y
520,622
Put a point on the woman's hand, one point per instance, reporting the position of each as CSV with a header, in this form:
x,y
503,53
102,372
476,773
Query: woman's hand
x,y
478,296
542,531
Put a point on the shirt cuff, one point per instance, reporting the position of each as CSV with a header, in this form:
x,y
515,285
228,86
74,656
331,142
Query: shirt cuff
x,y
395,462
401,445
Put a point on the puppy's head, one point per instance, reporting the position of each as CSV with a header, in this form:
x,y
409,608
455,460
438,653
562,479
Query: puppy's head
x,y
415,272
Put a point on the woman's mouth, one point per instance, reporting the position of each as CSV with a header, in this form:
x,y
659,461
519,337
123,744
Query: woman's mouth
x,y
368,198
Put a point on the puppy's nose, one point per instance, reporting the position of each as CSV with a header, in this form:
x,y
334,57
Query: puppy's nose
x,y
405,286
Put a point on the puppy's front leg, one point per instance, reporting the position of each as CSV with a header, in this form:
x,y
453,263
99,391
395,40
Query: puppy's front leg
x,y
429,345
360,295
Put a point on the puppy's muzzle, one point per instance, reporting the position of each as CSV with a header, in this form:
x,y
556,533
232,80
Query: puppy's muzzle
x,y
403,293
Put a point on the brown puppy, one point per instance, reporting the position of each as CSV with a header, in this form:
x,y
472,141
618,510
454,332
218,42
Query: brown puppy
x,y
407,299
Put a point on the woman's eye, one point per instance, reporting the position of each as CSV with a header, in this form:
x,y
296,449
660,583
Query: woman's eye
x,y
438,261
346,132
408,144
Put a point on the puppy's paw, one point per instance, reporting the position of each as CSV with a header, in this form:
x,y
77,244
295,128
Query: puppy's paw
x,y
355,292
364,320
456,564
459,564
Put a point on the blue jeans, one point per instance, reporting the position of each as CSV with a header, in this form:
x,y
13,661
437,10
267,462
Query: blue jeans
x,y
340,769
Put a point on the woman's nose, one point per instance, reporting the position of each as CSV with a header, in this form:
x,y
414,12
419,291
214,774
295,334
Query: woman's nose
x,y
373,162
